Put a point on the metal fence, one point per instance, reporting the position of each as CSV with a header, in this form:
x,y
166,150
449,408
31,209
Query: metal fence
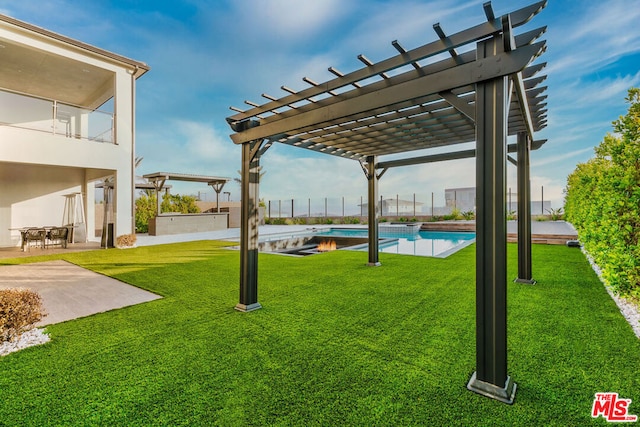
x,y
396,205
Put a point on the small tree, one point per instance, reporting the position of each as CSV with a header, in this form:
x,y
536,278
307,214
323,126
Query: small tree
x,y
178,203
146,206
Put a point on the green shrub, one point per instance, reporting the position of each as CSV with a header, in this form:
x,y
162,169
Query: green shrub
x,y
351,220
468,215
277,221
602,201
555,214
20,309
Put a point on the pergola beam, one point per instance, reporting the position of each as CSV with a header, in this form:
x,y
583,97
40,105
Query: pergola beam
x,y
456,155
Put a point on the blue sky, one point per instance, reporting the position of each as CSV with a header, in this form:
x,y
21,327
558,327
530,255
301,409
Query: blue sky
x,y
208,55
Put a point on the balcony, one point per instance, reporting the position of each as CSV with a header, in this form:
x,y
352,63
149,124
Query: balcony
x,y
56,118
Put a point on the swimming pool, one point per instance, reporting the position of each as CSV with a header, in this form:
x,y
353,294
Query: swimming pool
x,y
438,244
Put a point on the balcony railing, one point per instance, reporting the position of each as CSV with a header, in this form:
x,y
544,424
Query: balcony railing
x,y
54,117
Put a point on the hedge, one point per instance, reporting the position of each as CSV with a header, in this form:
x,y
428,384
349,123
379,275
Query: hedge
x,y
602,200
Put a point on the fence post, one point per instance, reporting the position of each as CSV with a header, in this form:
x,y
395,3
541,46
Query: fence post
x,y
381,206
269,208
292,208
279,208
542,200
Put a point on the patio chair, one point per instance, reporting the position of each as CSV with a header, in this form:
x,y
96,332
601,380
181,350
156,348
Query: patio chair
x,y
36,236
58,236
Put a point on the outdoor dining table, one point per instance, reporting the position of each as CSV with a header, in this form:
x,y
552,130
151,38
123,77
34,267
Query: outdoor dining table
x,y
39,234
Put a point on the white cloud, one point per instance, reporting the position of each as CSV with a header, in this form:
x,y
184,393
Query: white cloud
x,y
597,35
605,89
289,19
544,161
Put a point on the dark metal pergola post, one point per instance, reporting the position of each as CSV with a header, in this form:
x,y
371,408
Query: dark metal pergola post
x,y
249,231
492,109
524,211
372,195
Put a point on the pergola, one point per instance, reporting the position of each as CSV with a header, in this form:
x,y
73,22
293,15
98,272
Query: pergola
x,y
159,178
474,85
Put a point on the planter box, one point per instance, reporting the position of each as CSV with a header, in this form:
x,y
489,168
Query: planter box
x,y
187,223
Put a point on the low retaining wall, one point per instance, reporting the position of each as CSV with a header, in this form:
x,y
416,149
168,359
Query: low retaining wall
x,y
546,232
187,223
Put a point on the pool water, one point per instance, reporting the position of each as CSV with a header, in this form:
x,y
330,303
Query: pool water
x,y
423,243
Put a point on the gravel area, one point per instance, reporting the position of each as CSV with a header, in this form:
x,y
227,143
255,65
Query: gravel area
x,y
628,310
30,338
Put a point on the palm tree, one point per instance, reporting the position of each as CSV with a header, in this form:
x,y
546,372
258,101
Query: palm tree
x,y
239,180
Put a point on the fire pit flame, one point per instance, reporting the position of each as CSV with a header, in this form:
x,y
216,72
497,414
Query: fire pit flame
x,y
326,246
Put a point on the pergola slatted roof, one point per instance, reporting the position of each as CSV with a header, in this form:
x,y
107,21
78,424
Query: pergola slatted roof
x,y
401,104
163,176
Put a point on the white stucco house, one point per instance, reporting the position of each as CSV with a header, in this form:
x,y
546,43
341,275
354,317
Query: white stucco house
x,y
67,121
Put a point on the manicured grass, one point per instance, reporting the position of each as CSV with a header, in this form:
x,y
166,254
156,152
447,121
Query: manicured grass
x,y
337,343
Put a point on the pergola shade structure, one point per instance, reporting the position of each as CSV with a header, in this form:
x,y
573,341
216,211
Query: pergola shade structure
x,y
475,85
158,179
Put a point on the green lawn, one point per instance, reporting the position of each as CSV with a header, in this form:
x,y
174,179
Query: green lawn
x,y
336,343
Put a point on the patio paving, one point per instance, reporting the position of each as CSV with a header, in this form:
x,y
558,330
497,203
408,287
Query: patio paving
x,y
69,292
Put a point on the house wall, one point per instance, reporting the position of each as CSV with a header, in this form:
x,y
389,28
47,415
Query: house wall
x,y
37,168
33,197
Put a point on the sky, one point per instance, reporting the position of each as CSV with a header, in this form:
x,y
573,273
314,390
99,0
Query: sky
x,y
208,55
